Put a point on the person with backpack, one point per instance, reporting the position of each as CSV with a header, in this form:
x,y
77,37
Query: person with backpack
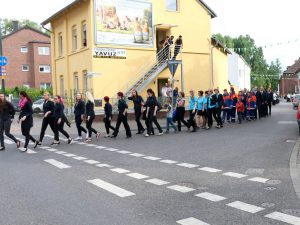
x,y
193,110
152,107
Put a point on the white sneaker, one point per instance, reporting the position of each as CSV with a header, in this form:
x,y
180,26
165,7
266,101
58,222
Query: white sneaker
x,y
147,135
78,139
107,136
159,134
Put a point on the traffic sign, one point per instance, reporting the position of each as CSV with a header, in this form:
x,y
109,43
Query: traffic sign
x,y
173,65
3,61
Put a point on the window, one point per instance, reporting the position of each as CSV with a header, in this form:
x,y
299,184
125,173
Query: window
x,y
26,85
62,86
74,38
45,85
44,50
60,44
45,69
25,67
172,5
24,49
84,37
76,83
85,81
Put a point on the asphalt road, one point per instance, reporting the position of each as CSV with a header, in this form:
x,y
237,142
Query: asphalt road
x,y
234,176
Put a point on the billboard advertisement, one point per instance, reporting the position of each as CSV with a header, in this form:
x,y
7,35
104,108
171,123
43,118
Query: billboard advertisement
x,y
124,22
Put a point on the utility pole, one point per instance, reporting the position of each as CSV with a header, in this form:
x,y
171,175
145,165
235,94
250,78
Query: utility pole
x,y
1,53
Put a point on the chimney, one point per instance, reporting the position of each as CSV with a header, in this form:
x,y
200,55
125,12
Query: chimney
x,y
15,25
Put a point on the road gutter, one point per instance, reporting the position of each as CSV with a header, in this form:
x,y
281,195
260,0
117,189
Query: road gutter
x,y
295,167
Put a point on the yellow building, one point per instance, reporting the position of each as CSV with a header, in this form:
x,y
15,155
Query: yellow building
x,y
109,46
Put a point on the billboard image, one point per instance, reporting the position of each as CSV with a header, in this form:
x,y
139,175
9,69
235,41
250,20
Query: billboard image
x,y
124,22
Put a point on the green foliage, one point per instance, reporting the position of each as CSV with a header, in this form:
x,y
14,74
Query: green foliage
x,y
32,92
7,25
262,73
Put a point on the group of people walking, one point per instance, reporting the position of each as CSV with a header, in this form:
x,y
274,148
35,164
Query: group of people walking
x,y
203,108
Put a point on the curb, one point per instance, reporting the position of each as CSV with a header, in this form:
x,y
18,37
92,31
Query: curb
x,y
295,167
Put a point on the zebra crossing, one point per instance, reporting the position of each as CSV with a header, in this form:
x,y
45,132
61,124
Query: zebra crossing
x,y
104,186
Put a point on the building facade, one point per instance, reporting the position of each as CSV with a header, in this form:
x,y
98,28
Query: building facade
x,y
29,58
289,80
110,46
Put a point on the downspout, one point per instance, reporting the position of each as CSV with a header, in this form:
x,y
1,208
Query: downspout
x,y
212,64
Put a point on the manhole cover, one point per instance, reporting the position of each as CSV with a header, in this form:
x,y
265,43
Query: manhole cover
x,y
255,171
292,211
187,184
270,188
268,205
273,182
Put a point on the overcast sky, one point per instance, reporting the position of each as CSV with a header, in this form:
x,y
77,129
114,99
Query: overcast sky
x,y
267,21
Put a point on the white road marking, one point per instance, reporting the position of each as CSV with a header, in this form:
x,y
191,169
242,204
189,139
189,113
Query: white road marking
x,y
157,182
60,152
79,158
91,162
137,176
104,165
64,139
57,164
287,122
91,145
284,218
245,207
111,188
181,189
191,221
210,170
69,155
120,170
136,154
235,175
44,147
9,142
167,161
123,152
151,158
51,149
210,197
259,179
111,149
101,147
187,165
290,141
29,151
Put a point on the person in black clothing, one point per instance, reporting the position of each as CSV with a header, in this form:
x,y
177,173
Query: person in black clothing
x,y
257,111
90,116
59,121
122,116
79,110
178,46
7,113
151,112
26,118
48,110
107,116
264,106
270,100
220,103
181,111
138,104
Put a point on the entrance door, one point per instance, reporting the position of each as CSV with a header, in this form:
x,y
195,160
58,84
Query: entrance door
x,y
160,84
160,37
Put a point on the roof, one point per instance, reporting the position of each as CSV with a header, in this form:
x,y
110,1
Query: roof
x,y
25,28
76,2
295,68
220,45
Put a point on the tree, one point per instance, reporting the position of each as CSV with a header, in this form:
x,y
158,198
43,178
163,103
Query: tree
x,y
7,25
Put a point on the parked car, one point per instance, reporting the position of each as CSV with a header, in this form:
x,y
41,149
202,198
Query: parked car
x,y
275,99
37,106
15,103
296,101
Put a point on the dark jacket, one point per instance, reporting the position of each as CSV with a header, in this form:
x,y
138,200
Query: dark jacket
x,y
27,111
89,109
270,97
108,110
220,100
59,111
122,105
151,103
137,101
79,108
48,106
258,98
8,111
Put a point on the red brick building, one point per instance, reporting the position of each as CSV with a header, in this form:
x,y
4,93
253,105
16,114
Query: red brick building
x,y
289,81
29,58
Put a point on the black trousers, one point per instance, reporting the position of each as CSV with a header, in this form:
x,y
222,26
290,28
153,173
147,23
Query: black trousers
x,y
5,128
219,112
122,119
108,125
270,107
25,128
80,128
192,122
47,121
60,128
240,116
89,127
152,119
180,118
217,117
138,115
209,117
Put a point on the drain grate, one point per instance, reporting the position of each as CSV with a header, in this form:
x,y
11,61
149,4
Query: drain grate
x,y
270,188
274,182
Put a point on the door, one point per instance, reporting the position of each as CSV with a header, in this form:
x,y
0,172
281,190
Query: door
x,y
160,84
160,37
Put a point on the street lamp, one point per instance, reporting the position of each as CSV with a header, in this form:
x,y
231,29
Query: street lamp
x,y
89,75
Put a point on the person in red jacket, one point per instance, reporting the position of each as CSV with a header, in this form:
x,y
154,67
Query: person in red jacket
x,y
240,108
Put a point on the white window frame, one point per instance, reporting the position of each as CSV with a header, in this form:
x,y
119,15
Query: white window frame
x,y
74,38
172,10
45,70
44,86
42,50
84,34
60,45
25,70
24,49
76,82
